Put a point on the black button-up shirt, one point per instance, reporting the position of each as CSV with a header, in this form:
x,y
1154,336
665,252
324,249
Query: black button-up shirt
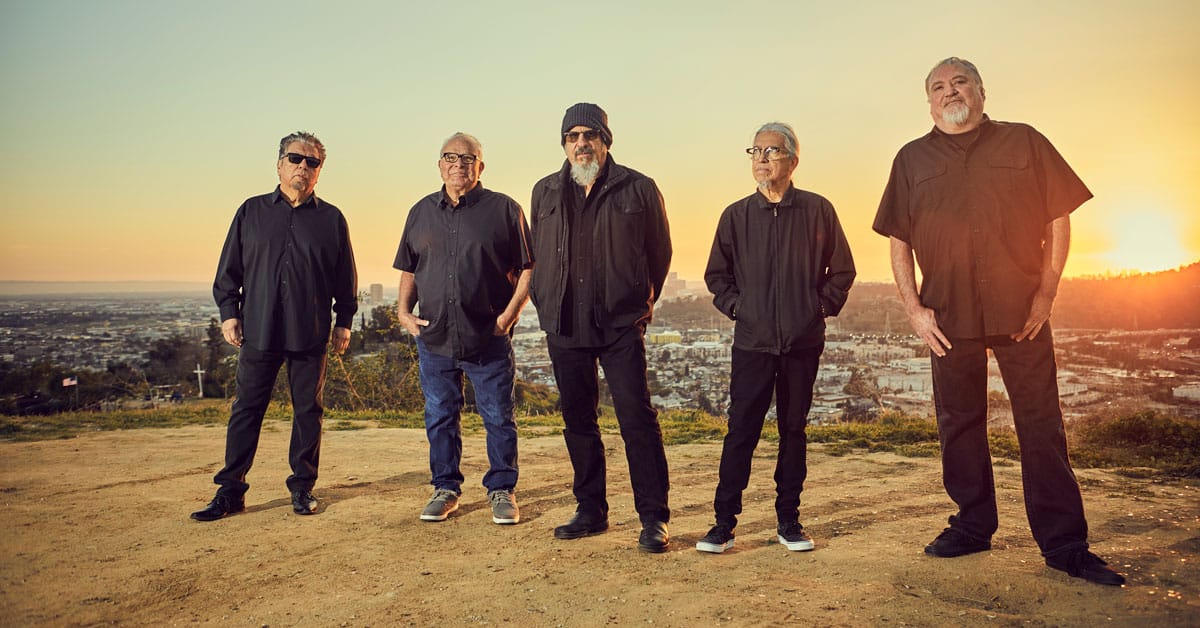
x,y
465,260
580,328
975,214
281,269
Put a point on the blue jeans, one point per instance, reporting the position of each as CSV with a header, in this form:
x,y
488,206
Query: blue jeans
x,y
491,372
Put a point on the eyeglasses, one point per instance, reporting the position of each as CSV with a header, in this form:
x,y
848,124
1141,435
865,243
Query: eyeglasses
x,y
453,158
296,158
771,153
573,136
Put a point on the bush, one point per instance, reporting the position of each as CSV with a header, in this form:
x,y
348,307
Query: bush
x,y
1170,444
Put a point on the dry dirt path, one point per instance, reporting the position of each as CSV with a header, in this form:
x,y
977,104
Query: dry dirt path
x,y
96,531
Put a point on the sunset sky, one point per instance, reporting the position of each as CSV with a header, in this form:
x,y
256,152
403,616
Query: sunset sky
x,y
133,130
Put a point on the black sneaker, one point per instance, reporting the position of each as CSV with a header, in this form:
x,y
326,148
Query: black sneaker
x,y
220,506
952,542
793,537
1084,564
718,539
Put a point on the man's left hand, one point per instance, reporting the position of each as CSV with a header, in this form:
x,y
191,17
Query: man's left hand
x,y
341,339
1039,313
503,324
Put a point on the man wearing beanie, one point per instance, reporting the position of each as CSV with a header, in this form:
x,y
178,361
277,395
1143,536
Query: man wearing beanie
x,y
603,247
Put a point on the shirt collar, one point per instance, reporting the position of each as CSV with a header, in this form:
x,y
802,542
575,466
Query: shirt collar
x,y
789,198
278,197
984,125
470,198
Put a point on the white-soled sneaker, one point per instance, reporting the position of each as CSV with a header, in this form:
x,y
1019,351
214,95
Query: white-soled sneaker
x,y
718,539
793,537
504,507
443,502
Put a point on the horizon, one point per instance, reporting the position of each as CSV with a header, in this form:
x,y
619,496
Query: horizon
x,y
133,132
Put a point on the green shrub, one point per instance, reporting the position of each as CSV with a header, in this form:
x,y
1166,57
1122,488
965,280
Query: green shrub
x,y
1170,444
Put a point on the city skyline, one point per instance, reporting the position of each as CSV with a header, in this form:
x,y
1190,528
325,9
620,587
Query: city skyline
x,y
133,131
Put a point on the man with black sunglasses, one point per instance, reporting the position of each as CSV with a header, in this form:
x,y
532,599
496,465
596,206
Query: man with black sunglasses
x,y
603,247
465,257
286,263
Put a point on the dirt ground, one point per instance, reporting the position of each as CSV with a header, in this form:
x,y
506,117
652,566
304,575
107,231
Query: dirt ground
x,y
96,531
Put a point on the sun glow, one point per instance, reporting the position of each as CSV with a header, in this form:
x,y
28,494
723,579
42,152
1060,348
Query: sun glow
x,y
1147,240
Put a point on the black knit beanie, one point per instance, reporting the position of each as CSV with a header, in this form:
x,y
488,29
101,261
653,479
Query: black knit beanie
x,y
589,115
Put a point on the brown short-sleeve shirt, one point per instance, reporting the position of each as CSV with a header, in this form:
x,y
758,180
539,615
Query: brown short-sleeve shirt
x,y
975,213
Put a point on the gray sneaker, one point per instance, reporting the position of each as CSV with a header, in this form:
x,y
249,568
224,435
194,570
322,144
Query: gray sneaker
x,y
504,507
443,502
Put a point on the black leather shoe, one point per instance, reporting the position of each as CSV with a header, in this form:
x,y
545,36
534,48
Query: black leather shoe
x,y
220,506
581,525
654,538
303,503
951,543
1084,564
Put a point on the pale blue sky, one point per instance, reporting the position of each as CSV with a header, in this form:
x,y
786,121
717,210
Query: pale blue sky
x,y
132,130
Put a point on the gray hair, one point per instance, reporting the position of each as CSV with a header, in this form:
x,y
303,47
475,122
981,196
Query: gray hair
x,y
789,136
469,139
304,137
962,63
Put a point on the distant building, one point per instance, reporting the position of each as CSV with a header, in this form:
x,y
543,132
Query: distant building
x,y
1190,392
376,294
663,337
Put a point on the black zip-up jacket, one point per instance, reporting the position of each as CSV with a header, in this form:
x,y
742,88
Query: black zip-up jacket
x,y
779,270
631,247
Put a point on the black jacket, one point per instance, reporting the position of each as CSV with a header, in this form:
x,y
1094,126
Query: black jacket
x,y
632,247
779,270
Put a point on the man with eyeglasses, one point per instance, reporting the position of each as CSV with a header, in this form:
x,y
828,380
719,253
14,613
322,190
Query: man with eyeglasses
x,y
779,265
465,257
286,262
603,246
985,207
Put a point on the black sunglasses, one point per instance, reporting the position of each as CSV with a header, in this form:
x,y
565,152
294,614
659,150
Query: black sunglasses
x,y
573,136
296,158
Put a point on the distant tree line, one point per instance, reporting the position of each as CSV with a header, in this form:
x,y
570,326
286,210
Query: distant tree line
x,y
378,372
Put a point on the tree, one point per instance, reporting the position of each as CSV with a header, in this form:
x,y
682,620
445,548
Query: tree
x,y
863,383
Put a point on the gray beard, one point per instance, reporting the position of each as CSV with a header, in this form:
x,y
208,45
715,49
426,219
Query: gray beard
x,y
956,114
585,174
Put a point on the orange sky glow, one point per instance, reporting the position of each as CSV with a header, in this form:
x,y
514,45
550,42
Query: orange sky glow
x,y
133,131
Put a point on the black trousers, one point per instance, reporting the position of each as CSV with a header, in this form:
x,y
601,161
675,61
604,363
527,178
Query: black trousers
x,y
1052,500
624,363
754,376
256,375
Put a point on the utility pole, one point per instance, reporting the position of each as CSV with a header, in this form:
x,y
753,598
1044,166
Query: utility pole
x,y
200,378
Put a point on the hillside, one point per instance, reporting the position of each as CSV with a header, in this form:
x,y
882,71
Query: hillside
x,y
97,532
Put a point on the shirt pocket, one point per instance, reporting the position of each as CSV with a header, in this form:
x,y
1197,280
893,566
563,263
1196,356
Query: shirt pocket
x,y
1012,173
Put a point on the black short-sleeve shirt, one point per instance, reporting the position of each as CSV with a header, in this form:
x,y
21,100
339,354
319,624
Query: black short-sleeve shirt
x,y
975,215
465,260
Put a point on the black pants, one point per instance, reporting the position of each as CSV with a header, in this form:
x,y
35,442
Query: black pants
x,y
256,375
624,363
1052,500
754,376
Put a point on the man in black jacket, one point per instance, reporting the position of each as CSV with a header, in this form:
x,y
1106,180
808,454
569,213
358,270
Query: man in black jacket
x,y
779,265
603,247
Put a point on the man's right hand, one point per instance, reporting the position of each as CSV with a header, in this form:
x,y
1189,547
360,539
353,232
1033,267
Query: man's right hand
x,y
231,328
411,323
924,323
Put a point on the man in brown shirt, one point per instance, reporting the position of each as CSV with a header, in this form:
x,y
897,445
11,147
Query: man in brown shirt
x,y
985,207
